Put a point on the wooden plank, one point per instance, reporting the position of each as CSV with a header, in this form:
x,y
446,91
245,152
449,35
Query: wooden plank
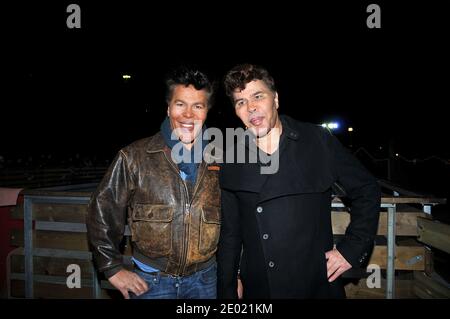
x,y
56,291
339,222
405,200
430,286
52,239
429,261
41,192
412,200
406,223
73,213
359,290
434,234
406,257
58,240
51,266
50,291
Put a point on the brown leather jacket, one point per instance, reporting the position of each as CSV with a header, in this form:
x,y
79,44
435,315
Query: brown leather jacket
x,y
174,229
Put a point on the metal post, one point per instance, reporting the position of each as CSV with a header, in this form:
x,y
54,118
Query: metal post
x,y
95,283
28,245
390,288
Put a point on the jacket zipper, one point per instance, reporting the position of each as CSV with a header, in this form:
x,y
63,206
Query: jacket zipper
x,y
185,218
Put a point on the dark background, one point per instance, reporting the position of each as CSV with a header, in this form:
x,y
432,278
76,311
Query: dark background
x,y
64,92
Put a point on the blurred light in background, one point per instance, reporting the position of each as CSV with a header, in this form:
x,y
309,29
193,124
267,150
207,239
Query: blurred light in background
x,y
331,125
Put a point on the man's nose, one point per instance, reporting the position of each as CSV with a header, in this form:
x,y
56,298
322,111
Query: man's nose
x,y
251,107
188,112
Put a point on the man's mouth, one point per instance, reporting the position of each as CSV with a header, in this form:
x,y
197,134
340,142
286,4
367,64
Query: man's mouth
x,y
187,126
257,120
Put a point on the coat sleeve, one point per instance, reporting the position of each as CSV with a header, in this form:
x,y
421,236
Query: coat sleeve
x,y
229,248
363,193
107,216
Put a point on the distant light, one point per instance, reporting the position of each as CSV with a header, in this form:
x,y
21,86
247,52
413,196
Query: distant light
x,y
396,154
331,125
126,76
350,129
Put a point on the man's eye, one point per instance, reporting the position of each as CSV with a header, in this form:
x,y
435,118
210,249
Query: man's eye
x,y
198,106
179,104
258,97
239,103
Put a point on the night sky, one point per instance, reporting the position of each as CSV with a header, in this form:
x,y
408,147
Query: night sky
x,y
64,90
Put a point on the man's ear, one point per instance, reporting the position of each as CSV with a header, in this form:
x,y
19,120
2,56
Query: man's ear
x,y
276,100
168,111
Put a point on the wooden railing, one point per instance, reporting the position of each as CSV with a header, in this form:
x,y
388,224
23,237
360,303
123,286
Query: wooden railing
x,y
34,178
58,239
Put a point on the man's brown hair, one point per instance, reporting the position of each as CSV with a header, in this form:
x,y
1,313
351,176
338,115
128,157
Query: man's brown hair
x,y
240,75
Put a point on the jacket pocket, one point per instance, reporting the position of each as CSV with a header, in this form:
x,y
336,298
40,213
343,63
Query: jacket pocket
x,y
209,230
152,229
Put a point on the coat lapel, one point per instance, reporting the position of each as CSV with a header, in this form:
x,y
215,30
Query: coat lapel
x,y
304,167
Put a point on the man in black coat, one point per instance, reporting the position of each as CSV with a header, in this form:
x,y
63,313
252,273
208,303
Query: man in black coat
x,y
276,232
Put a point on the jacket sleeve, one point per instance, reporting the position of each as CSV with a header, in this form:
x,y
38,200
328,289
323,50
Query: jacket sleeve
x,y
229,248
363,193
107,216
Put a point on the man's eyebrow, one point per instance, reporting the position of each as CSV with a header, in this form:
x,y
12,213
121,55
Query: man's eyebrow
x,y
257,92
194,103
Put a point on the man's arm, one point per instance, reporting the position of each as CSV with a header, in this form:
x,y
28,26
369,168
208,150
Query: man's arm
x,y
107,215
229,248
363,192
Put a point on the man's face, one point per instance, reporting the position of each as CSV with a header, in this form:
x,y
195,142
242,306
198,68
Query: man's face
x,y
256,106
187,111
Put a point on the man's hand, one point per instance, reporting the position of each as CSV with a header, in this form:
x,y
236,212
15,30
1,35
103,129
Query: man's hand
x,y
126,281
336,264
240,289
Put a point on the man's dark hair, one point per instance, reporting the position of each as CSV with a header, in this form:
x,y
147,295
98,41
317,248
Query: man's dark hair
x,y
240,75
188,76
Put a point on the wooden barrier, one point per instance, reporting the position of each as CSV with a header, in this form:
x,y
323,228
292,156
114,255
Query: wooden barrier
x,y
435,234
42,177
59,240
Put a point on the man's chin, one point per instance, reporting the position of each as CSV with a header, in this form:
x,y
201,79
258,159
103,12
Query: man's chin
x,y
187,139
260,132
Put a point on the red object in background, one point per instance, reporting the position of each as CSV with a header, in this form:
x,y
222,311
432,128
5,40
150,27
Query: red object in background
x,y
6,225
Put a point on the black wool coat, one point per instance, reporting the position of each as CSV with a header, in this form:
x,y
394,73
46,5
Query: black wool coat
x,y
276,228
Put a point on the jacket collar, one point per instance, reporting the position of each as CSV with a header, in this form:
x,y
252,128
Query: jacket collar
x,y
303,167
288,129
156,144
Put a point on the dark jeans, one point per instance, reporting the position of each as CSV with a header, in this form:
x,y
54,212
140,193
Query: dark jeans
x,y
200,285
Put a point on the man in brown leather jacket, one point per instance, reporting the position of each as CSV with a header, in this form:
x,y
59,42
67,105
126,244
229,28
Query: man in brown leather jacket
x,y
170,197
